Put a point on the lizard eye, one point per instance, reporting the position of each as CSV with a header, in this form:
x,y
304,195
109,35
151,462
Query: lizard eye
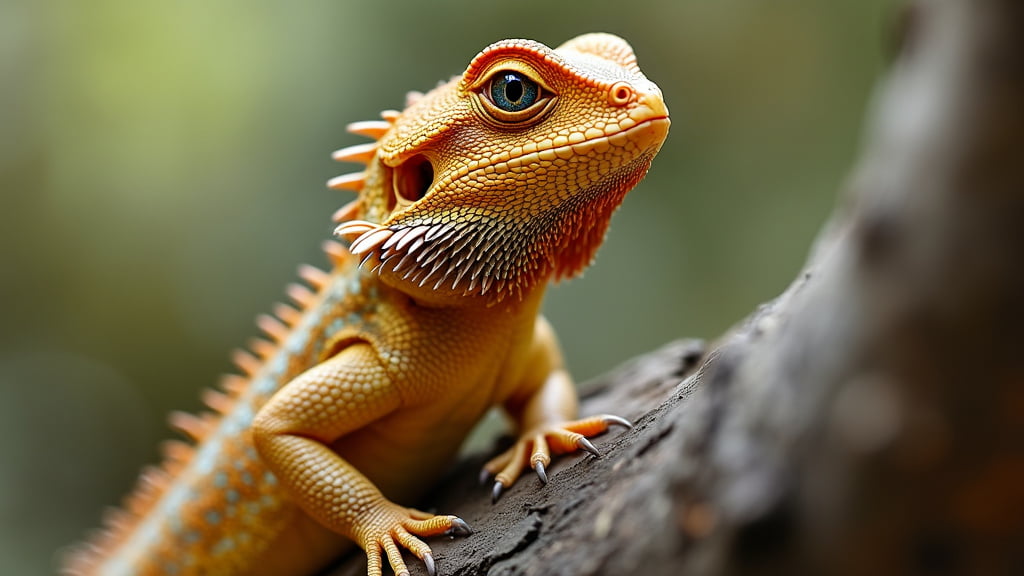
x,y
512,91
513,97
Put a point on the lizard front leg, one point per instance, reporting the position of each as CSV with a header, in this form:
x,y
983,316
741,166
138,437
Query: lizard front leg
x,y
545,407
293,433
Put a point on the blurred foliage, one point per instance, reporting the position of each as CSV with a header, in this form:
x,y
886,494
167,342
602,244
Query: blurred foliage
x,y
163,167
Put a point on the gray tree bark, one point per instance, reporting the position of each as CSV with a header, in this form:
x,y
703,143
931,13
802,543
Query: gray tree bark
x,y
870,420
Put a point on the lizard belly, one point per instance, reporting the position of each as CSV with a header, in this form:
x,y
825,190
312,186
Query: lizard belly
x,y
403,462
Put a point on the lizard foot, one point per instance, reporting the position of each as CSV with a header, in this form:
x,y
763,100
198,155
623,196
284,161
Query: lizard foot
x,y
534,449
395,526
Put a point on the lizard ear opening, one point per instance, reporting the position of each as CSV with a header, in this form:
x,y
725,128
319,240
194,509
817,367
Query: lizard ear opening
x,y
411,181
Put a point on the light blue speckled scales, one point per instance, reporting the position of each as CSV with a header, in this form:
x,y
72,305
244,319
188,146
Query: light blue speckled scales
x,y
183,518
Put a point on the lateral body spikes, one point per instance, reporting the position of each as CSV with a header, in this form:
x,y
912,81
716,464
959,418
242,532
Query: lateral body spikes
x,y
360,153
347,212
272,327
246,362
336,252
300,294
177,451
262,348
195,427
290,316
234,384
222,403
153,480
314,276
152,475
369,128
354,181
116,519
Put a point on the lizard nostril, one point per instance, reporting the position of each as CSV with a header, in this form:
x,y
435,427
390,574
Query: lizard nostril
x,y
620,94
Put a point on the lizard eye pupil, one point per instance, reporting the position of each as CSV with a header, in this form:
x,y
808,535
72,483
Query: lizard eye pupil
x,y
512,91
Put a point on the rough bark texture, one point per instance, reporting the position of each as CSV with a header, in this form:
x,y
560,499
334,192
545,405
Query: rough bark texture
x,y
868,421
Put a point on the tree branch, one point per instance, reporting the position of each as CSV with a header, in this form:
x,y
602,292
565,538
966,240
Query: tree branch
x,y
870,420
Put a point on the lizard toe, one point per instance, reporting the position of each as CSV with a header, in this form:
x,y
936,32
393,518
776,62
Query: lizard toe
x,y
535,447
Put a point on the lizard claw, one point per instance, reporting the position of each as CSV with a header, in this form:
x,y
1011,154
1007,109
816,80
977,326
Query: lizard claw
x,y
395,528
536,446
541,473
586,445
612,419
459,528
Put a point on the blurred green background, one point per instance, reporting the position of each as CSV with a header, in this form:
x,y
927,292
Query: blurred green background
x,y
163,168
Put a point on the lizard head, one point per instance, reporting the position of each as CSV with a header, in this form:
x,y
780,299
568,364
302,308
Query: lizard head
x,y
508,175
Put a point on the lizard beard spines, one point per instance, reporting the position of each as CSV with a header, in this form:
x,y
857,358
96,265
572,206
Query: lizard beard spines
x,y
466,258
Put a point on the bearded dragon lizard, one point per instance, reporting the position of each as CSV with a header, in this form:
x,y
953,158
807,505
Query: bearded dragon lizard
x,y
473,198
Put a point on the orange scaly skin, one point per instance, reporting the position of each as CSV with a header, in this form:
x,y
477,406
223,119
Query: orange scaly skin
x,y
473,198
